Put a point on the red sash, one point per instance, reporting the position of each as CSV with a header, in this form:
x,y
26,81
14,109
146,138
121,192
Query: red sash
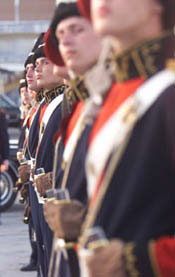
x,y
42,111
116,97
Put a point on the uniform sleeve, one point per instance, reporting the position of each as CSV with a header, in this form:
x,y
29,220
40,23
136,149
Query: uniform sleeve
x,y
22,137
154,258
4,148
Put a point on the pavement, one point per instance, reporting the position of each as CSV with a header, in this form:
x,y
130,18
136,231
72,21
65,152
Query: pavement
x,y
14,243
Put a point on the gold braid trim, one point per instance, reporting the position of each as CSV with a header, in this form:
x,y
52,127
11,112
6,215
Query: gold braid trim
x,y
138,63
79,88
39,95
70,96
140,60
51,94
153,261
130,260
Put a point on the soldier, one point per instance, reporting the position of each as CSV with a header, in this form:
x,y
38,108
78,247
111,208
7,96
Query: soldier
x,y
27,105
137,205
79,63
49,123
30,144
26,100
24,110
130,79
65,17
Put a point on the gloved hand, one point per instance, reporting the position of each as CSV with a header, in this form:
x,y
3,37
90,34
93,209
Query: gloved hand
x,y
43,183
65,219
24,173
107,261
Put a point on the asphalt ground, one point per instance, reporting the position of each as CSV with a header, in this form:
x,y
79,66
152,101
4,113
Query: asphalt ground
x,y
14,243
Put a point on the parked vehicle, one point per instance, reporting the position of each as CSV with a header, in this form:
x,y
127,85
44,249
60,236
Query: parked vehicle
x,y
11,110
9,178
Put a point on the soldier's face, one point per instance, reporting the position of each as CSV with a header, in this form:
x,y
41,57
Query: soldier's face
x,y
25,95
116,17
44,74
78,44
31,78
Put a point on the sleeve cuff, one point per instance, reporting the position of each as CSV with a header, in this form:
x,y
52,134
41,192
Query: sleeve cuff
x,y
139,260
164,250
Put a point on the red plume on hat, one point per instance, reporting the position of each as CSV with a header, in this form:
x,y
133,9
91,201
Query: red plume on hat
x,y
51,49
84,8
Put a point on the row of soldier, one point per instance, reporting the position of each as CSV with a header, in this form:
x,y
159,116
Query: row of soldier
x,y
98,152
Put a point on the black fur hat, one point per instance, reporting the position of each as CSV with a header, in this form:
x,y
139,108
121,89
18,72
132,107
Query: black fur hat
x,y
22,84
39,53
37,43
63,11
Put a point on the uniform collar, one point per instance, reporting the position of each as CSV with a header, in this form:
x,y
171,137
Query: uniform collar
x,y
79,90
39,95
51,94
142,60
73,94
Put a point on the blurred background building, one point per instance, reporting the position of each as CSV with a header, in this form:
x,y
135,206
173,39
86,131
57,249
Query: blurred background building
x,y
20,23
